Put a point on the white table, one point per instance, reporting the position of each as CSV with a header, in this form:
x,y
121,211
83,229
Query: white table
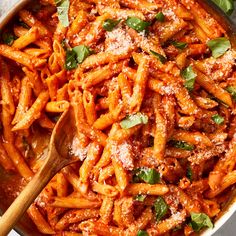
x,y
229,229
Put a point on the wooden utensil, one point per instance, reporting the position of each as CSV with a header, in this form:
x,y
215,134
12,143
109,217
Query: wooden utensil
x,y
59,156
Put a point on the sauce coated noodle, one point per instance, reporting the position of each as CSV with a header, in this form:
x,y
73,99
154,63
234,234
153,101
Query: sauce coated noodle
x,y
152,85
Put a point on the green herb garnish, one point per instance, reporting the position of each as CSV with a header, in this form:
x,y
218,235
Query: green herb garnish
x,y
140,197
148,175
160,57
218,119
219,46
189,75
189,173
137,24
110,24
82,52
160,17
182,145
160,208
62,11
142,233
133,120
76,56
180,45
226,5
199,221
71,62
232,91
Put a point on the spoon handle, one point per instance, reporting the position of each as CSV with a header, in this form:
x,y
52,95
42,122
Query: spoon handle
x,y
28,195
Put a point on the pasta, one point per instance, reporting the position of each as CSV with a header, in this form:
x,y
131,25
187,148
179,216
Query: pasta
x,y
152,86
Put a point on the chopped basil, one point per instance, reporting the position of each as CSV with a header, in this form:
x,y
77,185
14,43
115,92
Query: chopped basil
x,y
218,119
137,24
180,45
160,17
62,11
7,38
133,120
82,53
140,198
226,5
142,233
71,62
160,57
189,75
219,46
232,91
147,175
189,173
76,56
199,221
182,145
160,208
110,24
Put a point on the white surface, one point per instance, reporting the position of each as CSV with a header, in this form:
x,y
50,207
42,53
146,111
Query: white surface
x,y
229,229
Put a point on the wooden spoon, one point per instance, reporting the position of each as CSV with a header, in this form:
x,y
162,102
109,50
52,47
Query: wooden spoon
x,y
59,156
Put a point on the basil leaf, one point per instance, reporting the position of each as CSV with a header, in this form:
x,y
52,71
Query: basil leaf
x,y
182,145
199,221
133,120
232,91
180,45
8,38
142,233
76,56
140,198
137,24
226,5
189,173
160,17
148,175
62,11
160,57
110,24
189,75
218,119
219,46
82,53
71,62
160,208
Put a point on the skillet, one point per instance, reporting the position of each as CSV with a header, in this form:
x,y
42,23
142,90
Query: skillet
x,y
9,181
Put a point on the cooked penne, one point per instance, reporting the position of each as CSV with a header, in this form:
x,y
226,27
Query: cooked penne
x,y
156,189
33,113
21,57
151,88
30,37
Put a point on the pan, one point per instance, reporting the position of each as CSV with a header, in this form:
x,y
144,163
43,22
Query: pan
x,y
7,193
